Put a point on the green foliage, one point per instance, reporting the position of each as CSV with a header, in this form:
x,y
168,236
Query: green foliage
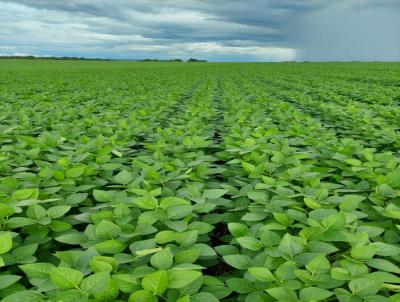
x,y
212,182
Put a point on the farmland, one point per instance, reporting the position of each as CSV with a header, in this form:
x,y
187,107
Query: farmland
x,y
192,182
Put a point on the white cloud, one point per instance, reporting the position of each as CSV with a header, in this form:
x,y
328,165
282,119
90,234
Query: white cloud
x,y
251,29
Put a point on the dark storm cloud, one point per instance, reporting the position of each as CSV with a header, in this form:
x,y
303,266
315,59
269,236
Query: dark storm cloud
x,y
354,30
232,29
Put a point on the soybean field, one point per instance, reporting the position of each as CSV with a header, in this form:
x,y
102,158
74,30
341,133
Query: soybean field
x,y
199,182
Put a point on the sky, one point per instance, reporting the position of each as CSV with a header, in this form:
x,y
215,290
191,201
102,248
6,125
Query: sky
x,y
215,30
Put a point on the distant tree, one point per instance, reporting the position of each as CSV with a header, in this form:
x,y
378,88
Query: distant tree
x,y
191,60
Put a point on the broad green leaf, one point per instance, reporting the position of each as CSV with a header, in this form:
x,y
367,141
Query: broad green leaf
x,y
351,202
65,278
126,283
178,278
142,296
314,294
248,167
214,193
165,237
385,249
30,193
290,245
5,242
24,295
6,210
270,238
261,274
156,283
187,256
162,259
110,247
103,264
107,230
318,264
238,261
7,280
364,287
250,243
240,285
203,297
57,211
124,177
146,202
383,265
282,294
363,252
95,283
75,172
73,238
103,196
238,229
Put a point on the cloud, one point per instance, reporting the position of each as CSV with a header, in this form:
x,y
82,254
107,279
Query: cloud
x,y
216,30
358,30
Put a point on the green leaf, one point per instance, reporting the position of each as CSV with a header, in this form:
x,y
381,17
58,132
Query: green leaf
x,y
65,278
156,282
240,285
31,193
24,295
282,294
238,261
70,295
214,193
238,229
73,238
7,280
250,243
146,202
363,252
187,256
142,296
291,245
385,249
384,265
5,242
108,294
124,177
185,299
95,283
393,179
126,283
262,274
178,278
110,247
165,237
162,259
179,211
107,230
76,198
318,264
103,196
248,167
203,297
314,294
350,202
75,172
37,270
270,238
104,264
364,287
258,196
6,210
57,211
